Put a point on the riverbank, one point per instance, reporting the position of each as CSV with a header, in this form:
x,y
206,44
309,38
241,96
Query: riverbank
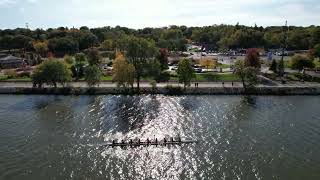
x,y
80,88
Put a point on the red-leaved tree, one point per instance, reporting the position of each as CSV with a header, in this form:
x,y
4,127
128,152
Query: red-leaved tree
x,y
252,58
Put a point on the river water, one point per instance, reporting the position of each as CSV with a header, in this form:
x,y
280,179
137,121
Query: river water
x,y
60,137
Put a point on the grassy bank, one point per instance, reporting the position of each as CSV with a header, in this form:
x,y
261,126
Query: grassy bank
x,y
213,77
6,78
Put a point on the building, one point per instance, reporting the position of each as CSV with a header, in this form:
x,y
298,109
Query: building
x,y
10,62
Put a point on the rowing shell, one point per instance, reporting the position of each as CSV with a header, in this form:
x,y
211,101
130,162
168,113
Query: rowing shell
x,y
149,144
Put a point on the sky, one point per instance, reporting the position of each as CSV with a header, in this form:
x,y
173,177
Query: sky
x,y
156,13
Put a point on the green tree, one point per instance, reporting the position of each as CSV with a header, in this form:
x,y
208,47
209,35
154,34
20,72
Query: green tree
x,y
93,57
162,57
21,41
62,46
68,59
300,62
185,72
281,68
153,69
41,47
92,75
317,50
107,45
78,67
139,52
51,72
274,66
87,40
247,74
6,42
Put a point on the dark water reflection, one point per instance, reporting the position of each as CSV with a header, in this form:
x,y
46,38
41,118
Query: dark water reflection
x,y
58,137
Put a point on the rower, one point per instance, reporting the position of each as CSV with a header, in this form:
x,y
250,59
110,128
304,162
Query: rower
x,y
165,141
179,139
148,141
171,139
113,142
139,143
156,141
122,142
131,142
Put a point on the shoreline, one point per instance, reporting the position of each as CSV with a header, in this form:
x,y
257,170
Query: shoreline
x,y
163,88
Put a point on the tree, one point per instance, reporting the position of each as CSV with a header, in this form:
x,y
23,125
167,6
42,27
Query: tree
x,y
139,51
68,59
153,69
87,40
247,74
208,63
62,46
80,58
84,28
185,72
252,59
93,57
51,72
300,62
92,75
274,66
41,47
162,57
6,42
317,50
123,72
21,41
107,45
281,68
78,67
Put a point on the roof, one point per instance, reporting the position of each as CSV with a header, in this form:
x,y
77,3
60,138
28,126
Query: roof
x,y
11,59
3,55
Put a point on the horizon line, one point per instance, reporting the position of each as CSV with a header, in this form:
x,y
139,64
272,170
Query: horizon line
x,y
153,27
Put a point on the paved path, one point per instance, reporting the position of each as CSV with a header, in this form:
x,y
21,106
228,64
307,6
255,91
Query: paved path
x,y
146,84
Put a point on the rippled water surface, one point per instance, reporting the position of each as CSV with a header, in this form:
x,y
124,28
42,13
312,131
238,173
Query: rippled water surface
x,y
59,137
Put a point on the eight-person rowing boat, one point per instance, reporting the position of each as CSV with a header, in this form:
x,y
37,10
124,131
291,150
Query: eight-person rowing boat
x,y
148,142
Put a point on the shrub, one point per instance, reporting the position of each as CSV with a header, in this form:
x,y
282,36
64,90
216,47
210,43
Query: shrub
x,y
299,62
10,73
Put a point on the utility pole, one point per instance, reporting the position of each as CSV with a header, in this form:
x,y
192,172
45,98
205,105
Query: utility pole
x,y
284,46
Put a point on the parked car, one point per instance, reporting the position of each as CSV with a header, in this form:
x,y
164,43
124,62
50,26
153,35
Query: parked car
x,y
197,70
